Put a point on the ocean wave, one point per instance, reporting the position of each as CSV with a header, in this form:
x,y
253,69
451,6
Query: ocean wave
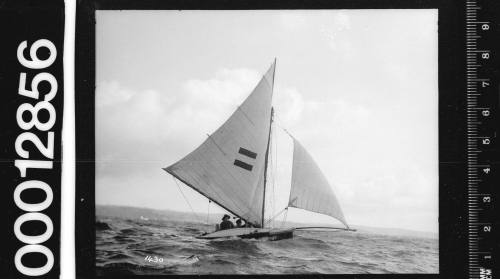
x,y
123,247
101,226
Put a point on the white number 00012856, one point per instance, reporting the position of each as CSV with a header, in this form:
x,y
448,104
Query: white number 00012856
x,y
33,243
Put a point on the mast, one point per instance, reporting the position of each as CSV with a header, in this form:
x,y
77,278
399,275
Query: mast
x,y
267,151
265,167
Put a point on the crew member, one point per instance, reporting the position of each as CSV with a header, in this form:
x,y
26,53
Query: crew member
x,y
226,224
238,224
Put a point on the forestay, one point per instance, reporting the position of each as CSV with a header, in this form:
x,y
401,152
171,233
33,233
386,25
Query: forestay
x,y
310,189
228,167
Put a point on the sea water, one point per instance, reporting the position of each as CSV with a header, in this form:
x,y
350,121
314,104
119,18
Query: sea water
x,y
156,247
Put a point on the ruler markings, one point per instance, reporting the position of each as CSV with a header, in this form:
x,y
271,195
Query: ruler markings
x,y
471,76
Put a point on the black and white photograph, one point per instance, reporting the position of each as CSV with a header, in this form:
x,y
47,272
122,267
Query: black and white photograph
x,y
266,142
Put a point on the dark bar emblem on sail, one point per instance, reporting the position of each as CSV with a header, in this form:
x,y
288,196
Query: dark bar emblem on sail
x,y
247,153
243,165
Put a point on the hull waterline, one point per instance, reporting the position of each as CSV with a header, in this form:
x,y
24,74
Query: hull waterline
x,y
250,233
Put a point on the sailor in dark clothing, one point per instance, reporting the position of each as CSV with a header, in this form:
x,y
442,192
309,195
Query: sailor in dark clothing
x,y
226,224
238,224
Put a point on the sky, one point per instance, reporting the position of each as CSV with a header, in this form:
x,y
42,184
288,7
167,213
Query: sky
x,y
358,89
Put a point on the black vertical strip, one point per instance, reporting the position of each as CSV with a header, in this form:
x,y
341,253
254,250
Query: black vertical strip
x,y
29,21
452,140
490,10
85,140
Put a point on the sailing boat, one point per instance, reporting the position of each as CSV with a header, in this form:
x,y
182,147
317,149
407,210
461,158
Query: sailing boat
x,y
230,169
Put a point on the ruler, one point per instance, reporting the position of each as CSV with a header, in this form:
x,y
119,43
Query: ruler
x,y
482,135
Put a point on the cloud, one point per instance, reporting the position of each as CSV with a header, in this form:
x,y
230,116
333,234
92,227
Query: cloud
x,y
142,130
289,105
134,126
338,134
111,93
212,100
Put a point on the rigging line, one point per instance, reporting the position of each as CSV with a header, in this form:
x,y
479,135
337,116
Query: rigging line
x,y
215,197
273,207
282,126
286,131
270,179
275,181
284,217
205,194
208,210
179,187
278,214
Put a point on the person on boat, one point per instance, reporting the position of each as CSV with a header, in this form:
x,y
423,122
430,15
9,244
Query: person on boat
x,y
238,224
226,223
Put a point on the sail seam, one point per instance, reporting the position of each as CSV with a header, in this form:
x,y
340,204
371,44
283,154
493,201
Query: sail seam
x,y
248,140
218,147
246,116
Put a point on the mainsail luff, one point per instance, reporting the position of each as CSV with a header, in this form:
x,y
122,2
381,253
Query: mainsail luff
x,y
265,168
228,167
310,189
267,154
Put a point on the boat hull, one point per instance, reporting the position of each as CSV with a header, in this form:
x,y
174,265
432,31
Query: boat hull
x,y
250,233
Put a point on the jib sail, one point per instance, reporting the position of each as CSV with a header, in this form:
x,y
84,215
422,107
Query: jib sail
x,y
310,189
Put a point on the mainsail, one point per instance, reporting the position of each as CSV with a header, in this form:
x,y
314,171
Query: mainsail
x,y
229,166
310,189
